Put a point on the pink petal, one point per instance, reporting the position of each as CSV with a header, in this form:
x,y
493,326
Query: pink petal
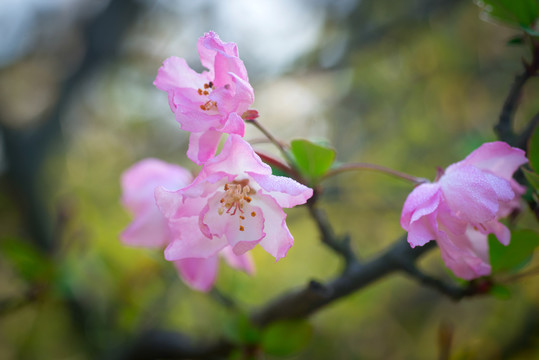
x,y
202,146
241,262
241,234
502,187
147,230
140,180
186,107
189,242
422,201
190,200
237,96
497,228
469,194
423,230
225,65
498,158
234,125
466,255
208,46
278,239
175,73
286,192
200,274
236,157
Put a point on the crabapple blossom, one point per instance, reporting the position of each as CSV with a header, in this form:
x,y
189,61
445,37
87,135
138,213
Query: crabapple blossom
x,y
235,201
212,102
150,229
464,205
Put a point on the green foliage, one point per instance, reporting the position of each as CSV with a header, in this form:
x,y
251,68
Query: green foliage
x,y
286,337
238,329
31,265
533,150
518,13
313,160
532,178
516,254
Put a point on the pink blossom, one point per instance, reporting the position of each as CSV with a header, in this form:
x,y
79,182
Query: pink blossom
x,y
212,102
150,228
235,201
464,206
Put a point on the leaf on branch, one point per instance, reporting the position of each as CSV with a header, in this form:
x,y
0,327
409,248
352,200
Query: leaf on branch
x,y
313,160
288,337
515,255
516,13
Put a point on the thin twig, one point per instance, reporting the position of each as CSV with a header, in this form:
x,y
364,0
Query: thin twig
x,y
451,290
504,127
274,141
328,237
374,167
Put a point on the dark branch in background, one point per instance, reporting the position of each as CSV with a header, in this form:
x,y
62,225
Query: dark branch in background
x,y
504,129
304,302
339,245
293,304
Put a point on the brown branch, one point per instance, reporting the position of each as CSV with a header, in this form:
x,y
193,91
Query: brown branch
x,y
504,128
340,245
374,167
314,296
297,303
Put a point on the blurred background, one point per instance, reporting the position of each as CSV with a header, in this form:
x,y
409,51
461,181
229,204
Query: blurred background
x,y
410,85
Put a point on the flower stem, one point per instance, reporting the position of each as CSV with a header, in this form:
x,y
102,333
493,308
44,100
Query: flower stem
x,y
275,142
374,167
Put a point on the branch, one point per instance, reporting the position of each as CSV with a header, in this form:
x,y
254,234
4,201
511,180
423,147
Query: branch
x,y
374,167
454,292
299,303
504,128
303,302
339,245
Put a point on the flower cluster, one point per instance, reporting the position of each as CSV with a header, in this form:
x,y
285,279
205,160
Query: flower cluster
x,y
211,103
464,205
235,202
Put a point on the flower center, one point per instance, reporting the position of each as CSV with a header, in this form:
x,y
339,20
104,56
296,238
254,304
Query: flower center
x,y
210,104
234,199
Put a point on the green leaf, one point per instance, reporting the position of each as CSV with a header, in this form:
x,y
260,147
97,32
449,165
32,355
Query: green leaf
x,y
533,150
238,328
532,178
287,337
26,259
278,172
312,160
517,13
515,255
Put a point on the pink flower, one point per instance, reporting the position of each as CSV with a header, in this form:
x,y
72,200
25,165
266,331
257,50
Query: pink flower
x,y
463,207
150,229
210,103
235,201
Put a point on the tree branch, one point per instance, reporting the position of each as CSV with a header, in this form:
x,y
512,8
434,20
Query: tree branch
x,y
340,245
303,302
504,128
298,303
